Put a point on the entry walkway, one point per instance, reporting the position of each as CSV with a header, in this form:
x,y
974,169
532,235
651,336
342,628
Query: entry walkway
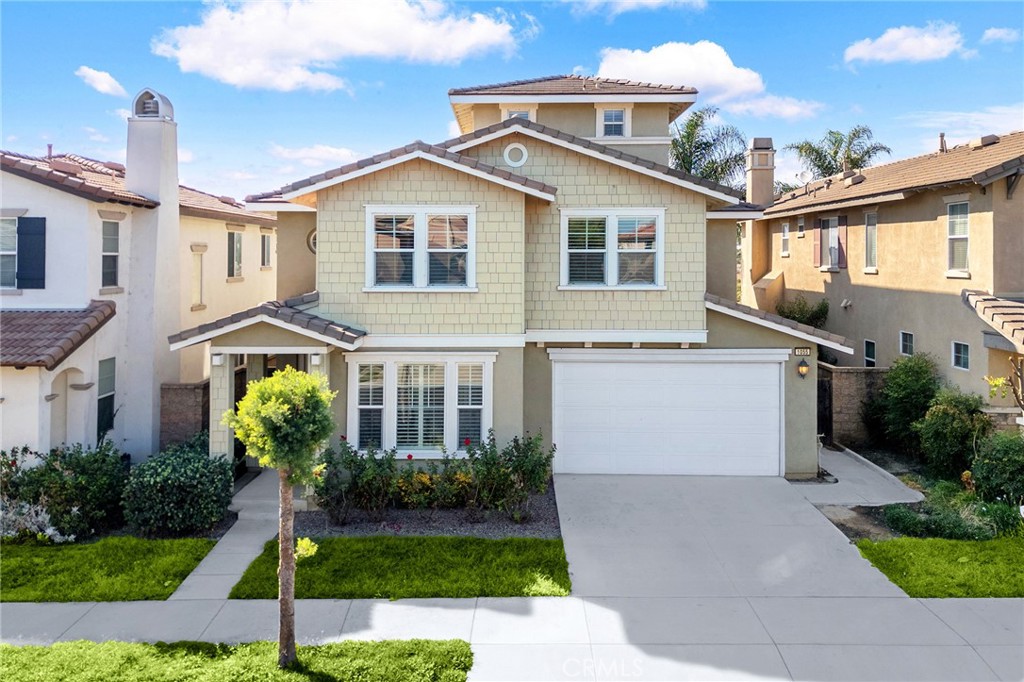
x,y
859,482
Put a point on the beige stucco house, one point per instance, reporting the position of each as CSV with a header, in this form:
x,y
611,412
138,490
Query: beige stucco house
x,y
546,271
924,254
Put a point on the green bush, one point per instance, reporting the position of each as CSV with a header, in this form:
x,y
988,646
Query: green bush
x,y
357,480
904,520
951,512
79,487
999,468
179,492
951,431
504,479
803,312
910,386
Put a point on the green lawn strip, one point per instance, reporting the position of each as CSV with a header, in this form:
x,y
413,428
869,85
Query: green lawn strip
x,y
111,569
404,567
415,660
931,567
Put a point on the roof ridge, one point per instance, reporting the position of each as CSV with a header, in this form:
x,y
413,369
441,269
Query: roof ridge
x,y
578,77
504,84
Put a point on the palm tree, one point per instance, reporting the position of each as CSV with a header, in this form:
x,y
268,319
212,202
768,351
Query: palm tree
x,y
713,152
837,152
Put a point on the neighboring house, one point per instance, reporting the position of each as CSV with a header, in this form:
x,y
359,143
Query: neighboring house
x,y
897,248
543,272
99,262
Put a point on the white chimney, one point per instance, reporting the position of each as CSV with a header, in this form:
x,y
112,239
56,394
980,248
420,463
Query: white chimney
x,y
761,171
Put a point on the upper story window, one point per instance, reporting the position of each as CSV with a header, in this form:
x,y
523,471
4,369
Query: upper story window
x,y
800,227
234,254
961,355
197,276
111,248
830,242
421,247
957,218
871,240
265,250
906,343
869,353
612,247
22,253
519,114
785,240
518,110
614,121
8,252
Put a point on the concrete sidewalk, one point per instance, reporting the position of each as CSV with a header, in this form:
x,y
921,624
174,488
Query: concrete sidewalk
x,y
859,483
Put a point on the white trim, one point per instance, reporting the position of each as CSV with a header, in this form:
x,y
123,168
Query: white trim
x,y
627,120
611,250
569,99
242,324
952,356
782,418
778,327
616,336
785,240
528,107
958,274
278,207
448,163
515,146
365,358
654,139
899,343
444,341
701,355
421,253
617,287
529,132
871,271
737,215
957,198
384,289
272,350
874,359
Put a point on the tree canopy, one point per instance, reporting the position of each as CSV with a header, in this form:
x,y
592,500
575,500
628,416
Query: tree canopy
x,y
836,151
708,150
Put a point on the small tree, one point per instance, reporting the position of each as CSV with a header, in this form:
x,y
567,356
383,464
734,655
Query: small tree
x,y
285,421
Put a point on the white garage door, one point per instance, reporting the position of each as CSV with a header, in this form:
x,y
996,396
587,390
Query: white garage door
x,y
685,412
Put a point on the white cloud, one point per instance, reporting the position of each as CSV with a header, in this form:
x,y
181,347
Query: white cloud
x,y
1000,35
289,45
316,156
11,138
709,68
123,114
962,126
185,155
613,8
101,81
935,40
580,70
240,175
95,135
453,129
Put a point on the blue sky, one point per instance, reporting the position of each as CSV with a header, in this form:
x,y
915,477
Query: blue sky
x,y
273,92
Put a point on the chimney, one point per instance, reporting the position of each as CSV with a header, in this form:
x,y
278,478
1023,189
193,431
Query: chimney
x,y
761,171
942,143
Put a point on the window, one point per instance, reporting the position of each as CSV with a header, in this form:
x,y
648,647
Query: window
x,y
264,250
869,353
961,355
800,227
830,242
957,220
614,123
234,254
197,278
870,240
8,253
421,247
590,260
906,343
105,386
419,401
518,114
785,240
111,244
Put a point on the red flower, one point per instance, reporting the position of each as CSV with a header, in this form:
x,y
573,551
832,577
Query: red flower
x,y
466,442
409,456
343,438
14,462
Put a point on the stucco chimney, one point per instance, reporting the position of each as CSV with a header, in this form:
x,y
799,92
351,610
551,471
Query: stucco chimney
x,y
761,171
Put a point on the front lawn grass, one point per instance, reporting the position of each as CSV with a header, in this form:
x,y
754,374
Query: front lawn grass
x,y
419,660
405,567
931,567
111,569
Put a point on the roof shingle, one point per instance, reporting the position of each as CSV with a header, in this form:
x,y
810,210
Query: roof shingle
x,y
45,338
573,85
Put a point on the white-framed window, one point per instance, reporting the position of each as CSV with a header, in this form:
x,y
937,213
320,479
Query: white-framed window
x,y
830,242
111,247
106,385
785,240
961,355
800,227
524,111
519,113
8,253
421,247
906,343
869,353
614,120
612,248
419,402
870,240
265,250
234,254
957,219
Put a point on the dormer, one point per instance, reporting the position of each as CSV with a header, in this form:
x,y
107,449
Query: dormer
x,y
627,115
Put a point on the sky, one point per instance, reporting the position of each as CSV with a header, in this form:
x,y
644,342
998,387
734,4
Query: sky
x,y
271,92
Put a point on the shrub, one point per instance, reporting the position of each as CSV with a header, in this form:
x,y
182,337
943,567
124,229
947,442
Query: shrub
x,y
79,487
904,520
21,522
352,479
179,492
504,479
999,468
910,386
803,312
953,513
951,431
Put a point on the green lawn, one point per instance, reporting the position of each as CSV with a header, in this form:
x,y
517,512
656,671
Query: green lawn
x,y
403,567
930,567
414,660
111,569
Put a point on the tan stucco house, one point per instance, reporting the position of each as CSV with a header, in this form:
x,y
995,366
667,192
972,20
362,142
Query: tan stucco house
x,y
924,254
545,271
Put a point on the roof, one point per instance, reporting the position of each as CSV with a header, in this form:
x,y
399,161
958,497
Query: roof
x,y
573,85
522,125
1005,315
45,338
417,149
104,182
287,314
967,163
778,323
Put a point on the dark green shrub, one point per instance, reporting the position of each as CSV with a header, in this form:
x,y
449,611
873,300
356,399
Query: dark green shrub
x,y
872,413
904,520
910,386
356,480
79,487
803,312
178,492
999,468
1005,519
503,479
951,431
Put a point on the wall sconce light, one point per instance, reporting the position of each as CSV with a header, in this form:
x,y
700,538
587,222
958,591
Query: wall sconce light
x,y
803,369
217,359
314,359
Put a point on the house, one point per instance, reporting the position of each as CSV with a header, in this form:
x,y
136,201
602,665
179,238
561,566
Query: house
x,y
924,254
99,262
545,271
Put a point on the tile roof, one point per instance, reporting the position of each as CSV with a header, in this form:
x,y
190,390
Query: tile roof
x,y
104,181
417,146
573,85
1005,315
594,146
288,311
777,319
44,338
961,164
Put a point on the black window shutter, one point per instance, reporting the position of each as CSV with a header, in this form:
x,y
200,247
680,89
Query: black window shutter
x,y
31,271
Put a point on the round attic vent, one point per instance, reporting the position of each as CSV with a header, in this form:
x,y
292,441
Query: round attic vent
x,y
515,155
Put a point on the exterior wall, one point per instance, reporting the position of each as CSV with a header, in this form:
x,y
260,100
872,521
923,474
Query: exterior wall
x,y
485,115
497,308
184,411
851,388
575,119
537,392
585,182
296,264
650,120
1008,238
20,412
721,258
267,335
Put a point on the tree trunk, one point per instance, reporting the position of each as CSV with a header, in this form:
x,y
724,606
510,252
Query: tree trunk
x,y
286,576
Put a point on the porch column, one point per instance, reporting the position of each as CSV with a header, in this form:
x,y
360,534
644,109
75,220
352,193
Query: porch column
x,y
222,399
255,367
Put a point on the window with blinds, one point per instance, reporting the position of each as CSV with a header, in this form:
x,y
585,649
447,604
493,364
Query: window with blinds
x,y
234,254
870,240
111,247
637,242
8,252
614,122
420,405
447,249
470,403
394,245
587,243
958,218
371,406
